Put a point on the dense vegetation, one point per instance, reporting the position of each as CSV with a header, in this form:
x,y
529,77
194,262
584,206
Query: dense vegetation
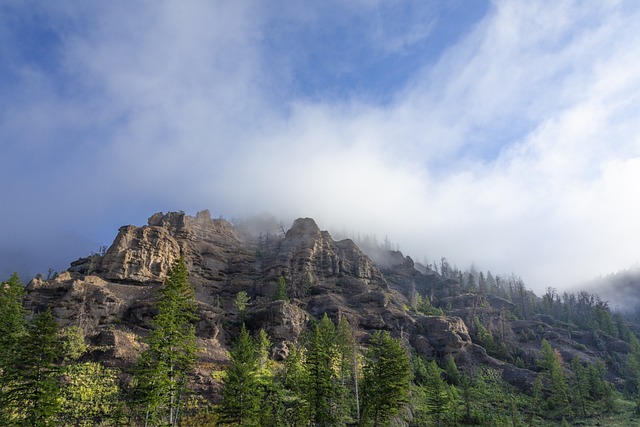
x,y
331,376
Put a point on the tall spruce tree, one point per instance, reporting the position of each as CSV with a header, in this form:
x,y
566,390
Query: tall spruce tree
x,y
580,387
438,394
632,366
12,318
13,328
241,393
281,290
323,389
558,401
294,379
347,369
387,379
162,370
535,401
31,387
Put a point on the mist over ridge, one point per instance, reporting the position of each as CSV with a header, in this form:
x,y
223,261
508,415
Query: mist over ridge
x,y
502,134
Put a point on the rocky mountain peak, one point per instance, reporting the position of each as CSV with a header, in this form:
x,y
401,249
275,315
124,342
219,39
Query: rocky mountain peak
x,y
111,296
322,276
304,227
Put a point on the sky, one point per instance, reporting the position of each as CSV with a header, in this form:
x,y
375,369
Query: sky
x,y
499,133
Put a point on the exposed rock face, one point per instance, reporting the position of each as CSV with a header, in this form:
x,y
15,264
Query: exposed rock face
x,y
321,275
87,301
112,296
310,258
445,335
145,254
141,255
283,321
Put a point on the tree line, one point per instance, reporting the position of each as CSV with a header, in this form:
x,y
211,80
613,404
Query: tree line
x,y
329,377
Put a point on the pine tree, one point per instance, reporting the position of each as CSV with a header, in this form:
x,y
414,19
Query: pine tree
x,y
536,400
632,366
12,318
294,380
599,389
345,347
451,372
387,378
323,389
281,290
272,406
494,401
580,387
240,403
264,349
162,370
558,401
31,389
467,395
241,302
271,392
483,336
439,399
347,360
13,328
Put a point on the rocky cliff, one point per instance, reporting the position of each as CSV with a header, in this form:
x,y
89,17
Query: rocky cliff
x,y
111,296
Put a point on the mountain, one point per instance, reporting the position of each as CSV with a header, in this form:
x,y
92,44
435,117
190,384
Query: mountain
x,y
110,296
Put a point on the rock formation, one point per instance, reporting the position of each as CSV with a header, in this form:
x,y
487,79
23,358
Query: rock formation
x,y
111,296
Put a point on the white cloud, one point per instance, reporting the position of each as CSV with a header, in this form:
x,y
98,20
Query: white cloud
x,y
516,150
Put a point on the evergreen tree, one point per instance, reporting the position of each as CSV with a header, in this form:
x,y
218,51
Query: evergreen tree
x,y
599,389
241,302
13,328
632,366
387,378
294,380
580,387
451,372
273,409
347,369
162,370
483,337
263,347
12,318
558,401
482,283
271,393
535,401
439,399
31,393
323,389
471,283
467,395
241,395
345,347
494,401
281,290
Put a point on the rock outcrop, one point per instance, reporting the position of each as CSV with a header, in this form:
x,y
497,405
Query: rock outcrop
x,y
117,289
111,296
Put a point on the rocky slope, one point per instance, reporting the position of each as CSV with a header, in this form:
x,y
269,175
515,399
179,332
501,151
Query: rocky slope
x,y
111,296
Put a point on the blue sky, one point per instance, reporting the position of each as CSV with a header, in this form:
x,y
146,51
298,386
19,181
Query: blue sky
x,y
504,134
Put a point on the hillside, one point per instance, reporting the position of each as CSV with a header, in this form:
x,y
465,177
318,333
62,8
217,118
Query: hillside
x,y
436,314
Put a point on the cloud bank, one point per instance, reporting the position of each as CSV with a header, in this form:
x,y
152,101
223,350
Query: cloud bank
x,y
512,144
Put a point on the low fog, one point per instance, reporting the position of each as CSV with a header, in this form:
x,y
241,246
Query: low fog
x,y
513,146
